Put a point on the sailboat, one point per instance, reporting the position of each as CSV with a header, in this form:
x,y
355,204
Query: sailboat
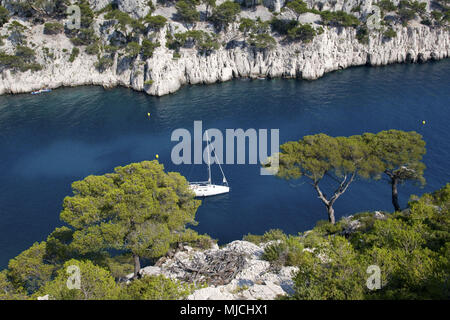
x,y
206,188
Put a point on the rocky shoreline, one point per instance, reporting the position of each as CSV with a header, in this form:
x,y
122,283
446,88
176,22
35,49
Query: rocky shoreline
x,y
255,279
330,51
336,48
236,271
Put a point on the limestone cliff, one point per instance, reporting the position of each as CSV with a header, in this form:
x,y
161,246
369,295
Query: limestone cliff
x,y
336,48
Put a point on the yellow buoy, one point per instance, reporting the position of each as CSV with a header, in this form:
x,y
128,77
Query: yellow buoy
x,y
423,122
148,114
157,156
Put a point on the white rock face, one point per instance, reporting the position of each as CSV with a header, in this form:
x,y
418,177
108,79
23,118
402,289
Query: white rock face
x,y
255,281
99,4
336,48
136,8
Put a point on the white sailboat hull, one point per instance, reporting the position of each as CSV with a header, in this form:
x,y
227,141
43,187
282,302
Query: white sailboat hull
x,y
208,190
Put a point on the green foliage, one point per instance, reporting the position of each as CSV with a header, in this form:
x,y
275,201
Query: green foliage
x,y
4,16
84,37
93,49
262,41
437,15
87,15
38,9
273,251
96,283
124,20
192,238
362,34
23,60
390,33
74,54
401,156
187,12
138,209
337,274
104,63
53,28
283,26
225,13
149,82
339,18
8,291
298,7
411,249
303,32
271,235
203,41
155,22
387,5
17,30
408,10
133,49
155,288
247,25
320,156
148,47
28,269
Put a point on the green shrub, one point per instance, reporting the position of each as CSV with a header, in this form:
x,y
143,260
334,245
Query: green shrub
x,y
74,54
148,47
4,16
271,235
87,15
339,18
387,5
17,32
23,60
305,33
225,13
93,49
155,22
390,33
104,63
262,41
53,28
97,283
273,252
203,41
187,12
133,49
155,288
411,248
362,34
124,20
84,37
283,26
189,236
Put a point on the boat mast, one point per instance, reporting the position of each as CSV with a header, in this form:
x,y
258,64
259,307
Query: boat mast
x,y
224,179
209,159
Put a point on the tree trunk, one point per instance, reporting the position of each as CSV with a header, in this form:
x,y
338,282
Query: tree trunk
x,y
137,265
394,183
330,212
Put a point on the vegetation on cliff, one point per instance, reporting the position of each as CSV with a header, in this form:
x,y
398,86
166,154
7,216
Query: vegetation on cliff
x,y
108,33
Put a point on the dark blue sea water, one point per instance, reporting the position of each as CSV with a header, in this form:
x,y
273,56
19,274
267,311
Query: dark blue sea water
x,y
48,141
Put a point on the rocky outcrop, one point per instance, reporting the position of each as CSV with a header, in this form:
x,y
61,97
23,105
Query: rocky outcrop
x,y
255,279
335,48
